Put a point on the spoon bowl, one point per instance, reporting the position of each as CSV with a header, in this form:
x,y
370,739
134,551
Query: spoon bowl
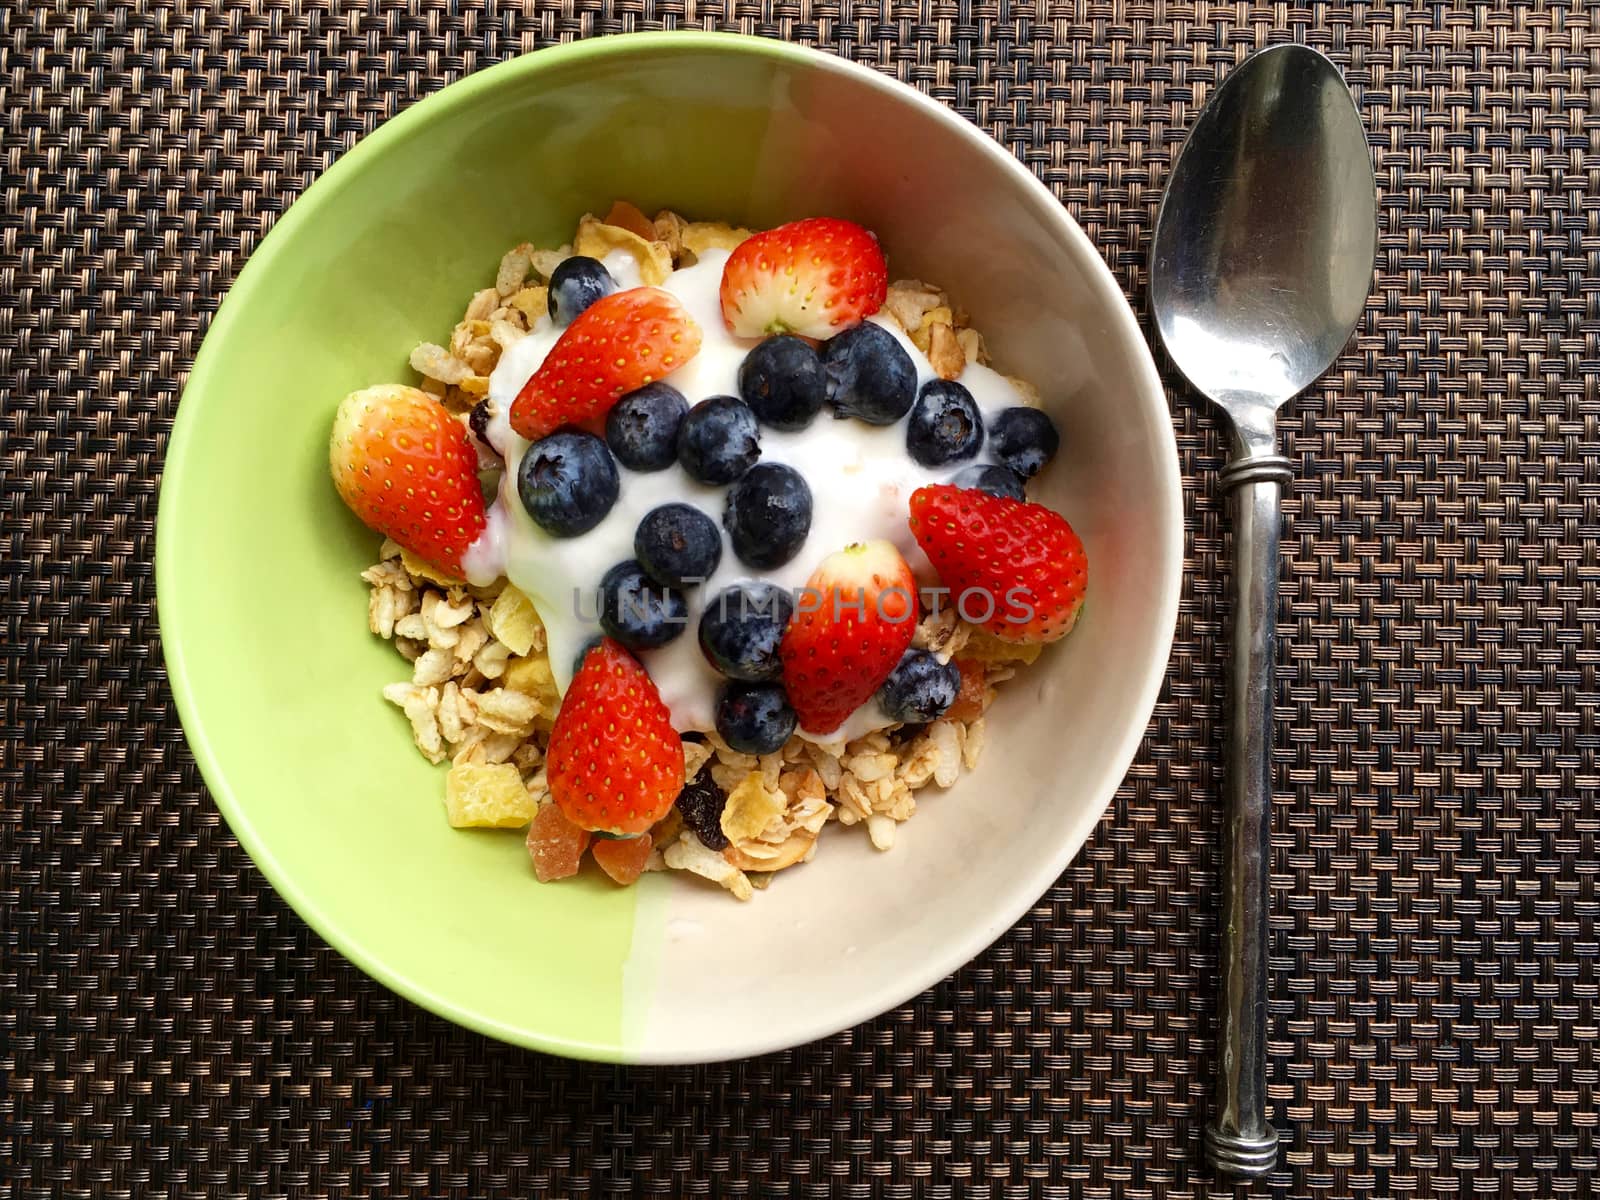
x,y
1265,239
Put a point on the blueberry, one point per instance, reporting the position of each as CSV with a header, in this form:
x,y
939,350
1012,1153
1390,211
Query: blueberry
x,y
577,283
754,718
642,427
945,424
1024,439
719,440
677,545
638,612
768,515
783,383
997,481
568,482
741,629
920,688
870,375
701,803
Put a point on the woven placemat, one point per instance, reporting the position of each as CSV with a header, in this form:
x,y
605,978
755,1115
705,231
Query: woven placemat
x,y
169,1028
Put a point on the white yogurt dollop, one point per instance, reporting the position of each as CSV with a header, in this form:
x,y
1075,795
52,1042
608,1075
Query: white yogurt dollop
x,y
861,480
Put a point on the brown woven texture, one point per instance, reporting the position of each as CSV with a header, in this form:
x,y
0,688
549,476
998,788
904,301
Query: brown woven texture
x,y
171,1029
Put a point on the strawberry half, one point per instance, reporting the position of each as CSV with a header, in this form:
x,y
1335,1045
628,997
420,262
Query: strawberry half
x,y
852,623
408,469
617,345
1014,567
615,763
811,277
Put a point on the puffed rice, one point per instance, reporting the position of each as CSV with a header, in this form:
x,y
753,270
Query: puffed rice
x,y
689,853
514,268
545,262
437,363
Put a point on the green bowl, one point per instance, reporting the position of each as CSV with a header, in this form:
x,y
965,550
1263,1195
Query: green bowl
x,y
263,613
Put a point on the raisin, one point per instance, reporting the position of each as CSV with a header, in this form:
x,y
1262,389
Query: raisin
x,y
701,803
478,418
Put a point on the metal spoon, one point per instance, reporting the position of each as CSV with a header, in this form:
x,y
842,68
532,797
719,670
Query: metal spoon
x,y
1260,270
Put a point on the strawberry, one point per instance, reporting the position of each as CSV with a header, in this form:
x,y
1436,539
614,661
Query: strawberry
x,y
851,625
622,858
408,469
811,277
1014,567
615,346
615,764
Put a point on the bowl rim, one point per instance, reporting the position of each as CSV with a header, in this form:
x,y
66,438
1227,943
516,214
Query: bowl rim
x,y
849,1009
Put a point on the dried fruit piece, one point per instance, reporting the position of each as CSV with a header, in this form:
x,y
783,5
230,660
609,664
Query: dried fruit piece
x,y
622,858
974,694
514,621
701,803
751,806
555,844
627,216
532,676
487,796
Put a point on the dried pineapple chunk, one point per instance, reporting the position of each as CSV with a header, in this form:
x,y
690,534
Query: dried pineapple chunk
x,y
750,807
487,796
532,676
514,621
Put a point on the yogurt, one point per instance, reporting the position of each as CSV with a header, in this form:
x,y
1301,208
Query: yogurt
x,y
860,475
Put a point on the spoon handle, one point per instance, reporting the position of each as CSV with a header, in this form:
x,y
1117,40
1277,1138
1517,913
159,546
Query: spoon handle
x,y
1239,1141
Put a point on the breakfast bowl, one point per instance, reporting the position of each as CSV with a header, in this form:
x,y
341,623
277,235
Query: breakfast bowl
x,y
258,564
